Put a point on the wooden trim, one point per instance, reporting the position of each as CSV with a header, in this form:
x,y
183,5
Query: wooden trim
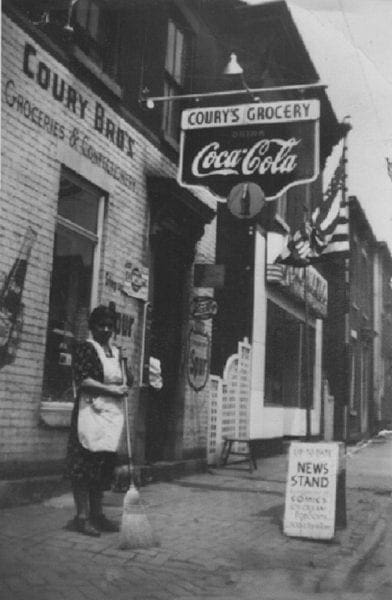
x,y
71,226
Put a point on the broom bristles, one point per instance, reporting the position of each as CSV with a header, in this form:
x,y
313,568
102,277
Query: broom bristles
x,y
135,530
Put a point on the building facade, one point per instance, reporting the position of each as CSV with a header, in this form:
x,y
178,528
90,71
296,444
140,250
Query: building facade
x,y
351,345
382,365
263,303
92,213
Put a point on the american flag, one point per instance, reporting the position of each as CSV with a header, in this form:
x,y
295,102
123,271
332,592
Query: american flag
x,y
326,233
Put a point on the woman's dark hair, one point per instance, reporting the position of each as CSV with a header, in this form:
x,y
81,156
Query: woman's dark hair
x,y
101,313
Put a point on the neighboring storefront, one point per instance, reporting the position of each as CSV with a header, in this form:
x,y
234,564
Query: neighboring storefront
x,y
382,358
271,382
362,397
287,345
91,214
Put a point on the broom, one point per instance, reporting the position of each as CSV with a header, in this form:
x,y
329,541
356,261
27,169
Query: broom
x,y
135,530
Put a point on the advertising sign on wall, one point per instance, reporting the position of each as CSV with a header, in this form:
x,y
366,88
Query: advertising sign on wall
x,y
274,145
203,307
311,490
292,280
198,363
136,281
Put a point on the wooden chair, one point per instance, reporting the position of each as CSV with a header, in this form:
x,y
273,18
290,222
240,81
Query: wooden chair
x,y
248,454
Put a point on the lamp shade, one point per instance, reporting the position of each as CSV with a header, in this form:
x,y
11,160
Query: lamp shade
x,y
233,67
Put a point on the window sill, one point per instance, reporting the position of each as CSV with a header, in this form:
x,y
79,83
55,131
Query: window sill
x,y
97,71
56,414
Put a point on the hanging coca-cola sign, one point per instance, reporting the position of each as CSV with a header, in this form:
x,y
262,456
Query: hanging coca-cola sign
x,y
274,145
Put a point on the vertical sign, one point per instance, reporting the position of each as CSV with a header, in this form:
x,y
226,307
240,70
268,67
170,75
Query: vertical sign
x,y
311,490
198,361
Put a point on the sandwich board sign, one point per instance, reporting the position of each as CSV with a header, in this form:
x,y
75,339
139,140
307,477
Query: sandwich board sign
x,y
269,146
310,505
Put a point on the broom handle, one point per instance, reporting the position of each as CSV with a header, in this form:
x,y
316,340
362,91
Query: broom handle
x,y
126,418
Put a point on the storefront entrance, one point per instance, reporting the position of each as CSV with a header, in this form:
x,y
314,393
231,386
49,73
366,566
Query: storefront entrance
x,y
177,223
169,269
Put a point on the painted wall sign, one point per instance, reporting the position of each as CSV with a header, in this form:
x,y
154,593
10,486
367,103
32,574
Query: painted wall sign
x,y
124,324
93,119
77,139
83,144
49,80
274,145
311,485
292,280
136,281
11,305
198,363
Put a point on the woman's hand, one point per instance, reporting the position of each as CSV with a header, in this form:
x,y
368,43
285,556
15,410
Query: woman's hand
x,y
118,391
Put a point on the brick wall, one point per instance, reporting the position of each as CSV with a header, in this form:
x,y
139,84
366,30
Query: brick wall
x,y
32,161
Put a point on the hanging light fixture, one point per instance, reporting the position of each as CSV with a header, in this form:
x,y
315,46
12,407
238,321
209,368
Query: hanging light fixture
x,y
68,27
233,67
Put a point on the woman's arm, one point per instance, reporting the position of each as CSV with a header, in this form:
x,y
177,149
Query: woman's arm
x,y
88,372
102,388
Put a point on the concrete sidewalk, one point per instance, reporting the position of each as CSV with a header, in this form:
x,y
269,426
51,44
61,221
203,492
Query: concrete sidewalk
x,y
220,535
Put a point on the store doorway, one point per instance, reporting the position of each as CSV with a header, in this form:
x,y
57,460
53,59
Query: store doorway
x,y
170,265
177,220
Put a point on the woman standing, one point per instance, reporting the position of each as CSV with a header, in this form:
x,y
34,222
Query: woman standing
x,y
97,423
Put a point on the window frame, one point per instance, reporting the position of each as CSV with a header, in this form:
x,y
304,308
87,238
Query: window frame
x,y
88,235
97,237
171,85
299,378
89,49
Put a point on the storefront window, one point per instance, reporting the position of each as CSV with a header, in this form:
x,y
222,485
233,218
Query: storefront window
x,y
286,374
97,32
176,62
74,270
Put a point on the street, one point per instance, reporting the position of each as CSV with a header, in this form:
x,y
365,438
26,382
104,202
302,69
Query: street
x,y
374,576
220,537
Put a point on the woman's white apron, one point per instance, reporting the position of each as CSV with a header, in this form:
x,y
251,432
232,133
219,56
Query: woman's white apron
x,y
101,418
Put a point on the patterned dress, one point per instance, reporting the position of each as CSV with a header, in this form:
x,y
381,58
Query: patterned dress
x,y
92,470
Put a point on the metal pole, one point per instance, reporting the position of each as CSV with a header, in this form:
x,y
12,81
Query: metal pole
x,y
346,434
151,100
308,400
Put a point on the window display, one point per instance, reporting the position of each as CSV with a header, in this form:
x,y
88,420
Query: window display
x,y
285,368
75,244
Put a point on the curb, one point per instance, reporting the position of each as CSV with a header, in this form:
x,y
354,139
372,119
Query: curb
x,y
30,490
35,489
338,578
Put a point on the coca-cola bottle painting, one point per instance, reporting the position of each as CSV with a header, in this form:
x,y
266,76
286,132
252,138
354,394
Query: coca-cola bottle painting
x,y
11,306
